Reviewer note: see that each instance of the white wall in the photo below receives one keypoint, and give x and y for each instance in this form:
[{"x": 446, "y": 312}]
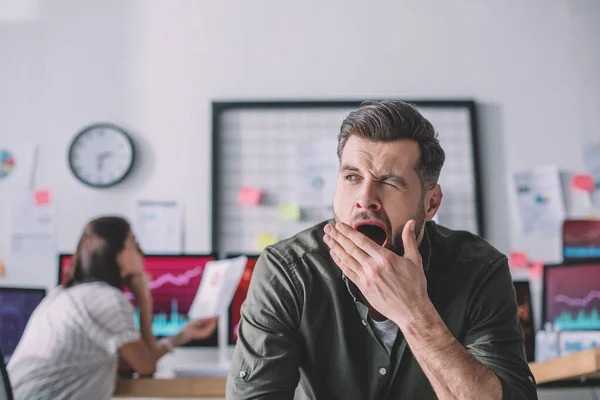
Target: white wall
[{"x": 154, "y": 66}]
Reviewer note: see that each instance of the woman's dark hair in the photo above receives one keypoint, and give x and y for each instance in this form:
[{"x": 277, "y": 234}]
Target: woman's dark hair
[{"x": 96, "y": 257}]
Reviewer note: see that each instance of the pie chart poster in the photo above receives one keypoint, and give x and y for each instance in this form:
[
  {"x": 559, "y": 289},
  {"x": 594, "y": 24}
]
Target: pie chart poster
[{"x": 17, "y": 164}]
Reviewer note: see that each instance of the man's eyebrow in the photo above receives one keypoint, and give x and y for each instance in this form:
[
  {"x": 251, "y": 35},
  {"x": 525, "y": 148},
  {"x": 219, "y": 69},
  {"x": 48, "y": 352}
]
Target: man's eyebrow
[
  {"x": 396, "y": 178},
  {"x": 347, "y": 167}
]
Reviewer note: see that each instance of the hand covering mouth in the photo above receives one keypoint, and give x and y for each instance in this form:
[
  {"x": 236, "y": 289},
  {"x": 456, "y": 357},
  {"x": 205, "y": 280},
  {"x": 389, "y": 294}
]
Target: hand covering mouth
[{"x": 374, "y": 230}]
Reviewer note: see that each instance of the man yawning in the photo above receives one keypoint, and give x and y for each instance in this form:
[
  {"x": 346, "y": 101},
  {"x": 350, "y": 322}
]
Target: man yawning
[{"x": 382, "y": 303}]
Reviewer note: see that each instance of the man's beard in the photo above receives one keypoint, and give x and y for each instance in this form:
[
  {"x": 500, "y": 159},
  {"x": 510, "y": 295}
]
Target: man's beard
[
  {"x": 397, "y": 243},
  {"x": 394, "y": 242}
]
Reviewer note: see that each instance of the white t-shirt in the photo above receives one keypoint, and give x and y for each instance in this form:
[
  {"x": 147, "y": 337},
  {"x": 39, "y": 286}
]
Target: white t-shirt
[{"x": 69, "y": 349}]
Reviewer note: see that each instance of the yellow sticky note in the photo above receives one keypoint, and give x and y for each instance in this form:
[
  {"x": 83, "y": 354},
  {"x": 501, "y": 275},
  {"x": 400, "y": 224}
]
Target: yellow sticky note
[
  {"x": 289, "y": 212},
  {"x": 264, "y": 240},
  {"x": 1, "y": 268}
]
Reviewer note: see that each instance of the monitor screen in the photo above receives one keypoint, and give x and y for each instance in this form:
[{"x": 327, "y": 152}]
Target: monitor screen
[
  {"x": 525, "y": 316},
  {"x": 581, "y": 240},
  {"x": 239, "y": 297},
  {"x": 572, "y": 296},
  {"x": 175, "y": 281},
  {"x": 16, "y": 306}
]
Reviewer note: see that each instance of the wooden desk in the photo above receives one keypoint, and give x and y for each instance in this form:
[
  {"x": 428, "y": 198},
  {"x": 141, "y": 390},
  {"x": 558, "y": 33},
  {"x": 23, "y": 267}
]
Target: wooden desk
[
  {"x": 585, "y": 364},
  {"x": 172, "y": 387}
]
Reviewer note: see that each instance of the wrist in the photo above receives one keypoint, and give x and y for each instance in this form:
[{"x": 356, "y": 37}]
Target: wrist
[
  {"x": 418, "y": 317},
  {"x": 179, "y": 339}
]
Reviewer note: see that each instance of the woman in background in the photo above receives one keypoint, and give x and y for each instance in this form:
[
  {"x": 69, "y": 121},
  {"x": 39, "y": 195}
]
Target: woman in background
[{"x": 73, "y": 341}]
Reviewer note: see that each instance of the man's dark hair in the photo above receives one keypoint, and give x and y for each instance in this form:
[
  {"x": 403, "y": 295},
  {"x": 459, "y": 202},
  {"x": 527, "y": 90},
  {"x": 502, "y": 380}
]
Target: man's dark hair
[
  {"x": 96, "y": 257},
  {"x": 388, "y": 121}
]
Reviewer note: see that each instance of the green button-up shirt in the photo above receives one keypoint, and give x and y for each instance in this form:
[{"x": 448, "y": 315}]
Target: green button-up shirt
[{"x": 304, "y": 331}]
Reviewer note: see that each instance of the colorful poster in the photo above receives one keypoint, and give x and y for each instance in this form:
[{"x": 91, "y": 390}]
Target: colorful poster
[{"x": 17, "y": 164}]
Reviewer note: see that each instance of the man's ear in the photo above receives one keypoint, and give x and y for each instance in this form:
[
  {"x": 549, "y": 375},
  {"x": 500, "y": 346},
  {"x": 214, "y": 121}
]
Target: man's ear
[{"x": 433, "y": 201}]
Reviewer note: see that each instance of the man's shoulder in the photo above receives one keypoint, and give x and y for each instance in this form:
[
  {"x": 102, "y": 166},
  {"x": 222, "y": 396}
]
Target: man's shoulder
[
  {"x": 303, "y": 247},
  {"x": 462, "y": 246},
  {"x": 305, "y": 243}
]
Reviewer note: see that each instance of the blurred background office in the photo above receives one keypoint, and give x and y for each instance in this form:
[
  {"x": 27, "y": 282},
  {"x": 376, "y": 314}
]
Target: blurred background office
[{"x": 153, "y": 69}]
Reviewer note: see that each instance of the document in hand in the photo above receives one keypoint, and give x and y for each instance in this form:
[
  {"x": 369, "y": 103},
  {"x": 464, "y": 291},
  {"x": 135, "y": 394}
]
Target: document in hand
[{"x": 219, "y": 281}]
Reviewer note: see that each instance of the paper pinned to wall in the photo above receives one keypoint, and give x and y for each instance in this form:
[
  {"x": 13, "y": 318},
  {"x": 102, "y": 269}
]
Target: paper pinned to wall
[
  {"x": 17, "y": 165},
  {"x": 317, "y": 167},
  {"x": 591, "y": 160},
  {"x": 220, "y": 280},
  {"x": 540, "y": 201},
  {"x": 32, "y": 226},
  {"x": 158, "y": 226}
]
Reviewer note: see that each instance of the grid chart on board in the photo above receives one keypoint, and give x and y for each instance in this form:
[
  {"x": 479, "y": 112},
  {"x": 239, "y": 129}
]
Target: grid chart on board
[{"x": 256, "y": 146}]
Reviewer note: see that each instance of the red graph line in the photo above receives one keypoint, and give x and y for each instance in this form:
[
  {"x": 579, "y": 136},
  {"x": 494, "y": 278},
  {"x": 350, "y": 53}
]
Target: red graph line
[
  {"x": 177, "y": 280},
  {"x": 574, "y": 302}
]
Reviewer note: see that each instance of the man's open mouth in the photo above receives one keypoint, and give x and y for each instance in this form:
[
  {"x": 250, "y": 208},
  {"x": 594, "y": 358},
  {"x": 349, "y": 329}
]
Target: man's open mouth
[{"x": 373, "y": 230}]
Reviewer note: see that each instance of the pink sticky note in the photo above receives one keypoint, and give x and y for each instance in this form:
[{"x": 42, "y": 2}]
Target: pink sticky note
[
  {"x": 518, "y": 260},
  {"x": 249, "y": 196},
  {"x": 42, "y": 197},
  {"x": 537, "y": 269},
  {"x": 583, "y": 182}
]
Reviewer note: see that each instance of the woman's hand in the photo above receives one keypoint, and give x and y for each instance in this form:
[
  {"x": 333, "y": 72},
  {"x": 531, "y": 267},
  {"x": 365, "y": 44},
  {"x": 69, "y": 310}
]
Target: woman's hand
[{"x": 196, "y": 330}]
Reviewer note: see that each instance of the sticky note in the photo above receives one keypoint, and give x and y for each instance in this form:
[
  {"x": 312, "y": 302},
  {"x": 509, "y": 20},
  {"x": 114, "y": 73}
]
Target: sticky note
[
  {"x": 1, "y": 268},
  {"x": 249, "y": 196},
  {"x": 537, "y": 269},
  {"x": 289, "y": 212},
  {"x": 518, "y": 260},
  {"x": 264, "y": 240},
  {"x": 42, "y": 197},
  {"x": 583, "y": 182}
]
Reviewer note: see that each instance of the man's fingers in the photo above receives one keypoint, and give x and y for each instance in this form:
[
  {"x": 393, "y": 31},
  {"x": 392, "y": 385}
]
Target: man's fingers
[
  {"x": 361, "y": 241},
  {"x": 409, "y": 239},
  {"x": 348, "y": 264},
  {"x": 352, "y": 248}
]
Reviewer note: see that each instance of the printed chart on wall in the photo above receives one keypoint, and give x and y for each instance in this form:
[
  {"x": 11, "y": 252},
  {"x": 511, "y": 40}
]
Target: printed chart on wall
[
  {"x": 276, "y": 168},
  {"x": 540, "y": 201},
  {"x": 17, "y": 164}
]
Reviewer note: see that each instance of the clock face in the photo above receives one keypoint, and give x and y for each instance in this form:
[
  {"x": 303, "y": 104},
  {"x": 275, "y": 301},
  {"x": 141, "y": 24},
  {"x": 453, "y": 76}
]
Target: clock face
[{"x": 101, "y": 155}]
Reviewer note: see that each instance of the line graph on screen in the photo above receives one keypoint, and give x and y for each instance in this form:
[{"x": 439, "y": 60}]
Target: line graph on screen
[{"x": 572, "y": 296}]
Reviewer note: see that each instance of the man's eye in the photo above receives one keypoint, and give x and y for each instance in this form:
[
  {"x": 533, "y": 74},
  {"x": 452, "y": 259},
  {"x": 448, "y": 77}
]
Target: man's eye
[{"x": 351, "y": 178}]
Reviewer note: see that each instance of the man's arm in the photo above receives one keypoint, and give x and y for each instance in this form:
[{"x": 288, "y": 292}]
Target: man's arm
[
  {"x": 266, "y": 360},
  {"x": 451, "y": 370},
  {"x": 493, "y": 363}
]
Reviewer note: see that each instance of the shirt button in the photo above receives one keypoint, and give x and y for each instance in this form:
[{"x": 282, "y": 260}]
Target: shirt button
[
  {"x": 382, "y": 371},
  {"x": 242, "y": 374},
  {"x": 364, "y": 322}
]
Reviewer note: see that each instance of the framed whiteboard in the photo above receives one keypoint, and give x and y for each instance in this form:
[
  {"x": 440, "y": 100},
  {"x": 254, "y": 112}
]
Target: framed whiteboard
[{"x": 256, "y": 144}]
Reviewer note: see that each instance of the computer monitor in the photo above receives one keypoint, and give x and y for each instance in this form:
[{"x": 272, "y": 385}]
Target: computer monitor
[
  {"x": 571, "y": 297},
  {"x": 175, "y": 281},
  {"x": 240, "y": 296},
  {"x": 525, "y": 316},
  {"x": 581, "y": 240},
  {"x": 16, "y": 306}
]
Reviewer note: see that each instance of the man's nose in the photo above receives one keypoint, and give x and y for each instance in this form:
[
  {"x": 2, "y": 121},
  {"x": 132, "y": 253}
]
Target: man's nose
[{"x": 368, "y": 199}]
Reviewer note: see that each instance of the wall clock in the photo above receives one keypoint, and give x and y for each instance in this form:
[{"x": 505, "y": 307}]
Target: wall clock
[{"x": 101, "y": 155}]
